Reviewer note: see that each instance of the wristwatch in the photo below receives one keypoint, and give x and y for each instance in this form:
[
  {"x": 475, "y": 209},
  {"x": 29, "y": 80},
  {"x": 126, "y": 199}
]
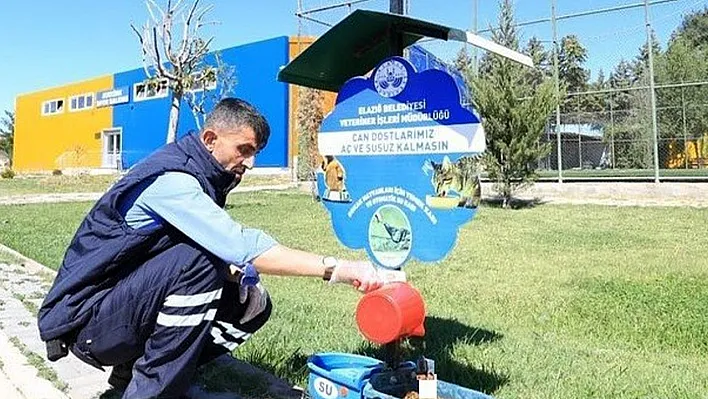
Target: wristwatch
[{"x": 329, "y": 263}]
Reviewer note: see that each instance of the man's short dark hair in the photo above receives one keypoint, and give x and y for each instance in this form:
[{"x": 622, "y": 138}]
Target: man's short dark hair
[{"x": 233, "y": 112}]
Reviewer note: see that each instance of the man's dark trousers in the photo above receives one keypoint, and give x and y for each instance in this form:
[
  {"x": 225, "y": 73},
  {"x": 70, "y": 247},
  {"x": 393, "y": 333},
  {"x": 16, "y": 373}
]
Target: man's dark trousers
[{"x": 173, "y": 313}]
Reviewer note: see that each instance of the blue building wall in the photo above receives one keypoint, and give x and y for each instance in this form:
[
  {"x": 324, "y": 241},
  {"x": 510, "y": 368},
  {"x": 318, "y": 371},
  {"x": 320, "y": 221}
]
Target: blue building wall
[{"x": 144, "y": 123}]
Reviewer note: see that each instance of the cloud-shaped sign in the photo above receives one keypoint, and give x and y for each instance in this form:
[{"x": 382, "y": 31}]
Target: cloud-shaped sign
[{"x": 400, "y": 164}]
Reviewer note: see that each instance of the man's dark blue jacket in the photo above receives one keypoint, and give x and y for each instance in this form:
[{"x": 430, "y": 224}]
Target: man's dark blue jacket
[{"x": 105, "y": 249}]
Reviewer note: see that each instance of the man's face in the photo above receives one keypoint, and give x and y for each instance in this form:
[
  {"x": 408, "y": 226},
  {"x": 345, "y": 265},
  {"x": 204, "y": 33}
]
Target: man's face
[{"x": 235, "y": 149}]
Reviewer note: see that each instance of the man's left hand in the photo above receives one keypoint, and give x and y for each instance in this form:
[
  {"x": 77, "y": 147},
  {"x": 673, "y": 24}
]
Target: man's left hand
[{"x": 257, "y": 298}]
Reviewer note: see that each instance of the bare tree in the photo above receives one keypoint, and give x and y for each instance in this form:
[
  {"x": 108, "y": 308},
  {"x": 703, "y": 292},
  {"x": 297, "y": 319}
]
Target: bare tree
[
  {"x": 204, "y": 92},
  {"x": 175, "y": 56},
  {"x": 309, "y": 118}
]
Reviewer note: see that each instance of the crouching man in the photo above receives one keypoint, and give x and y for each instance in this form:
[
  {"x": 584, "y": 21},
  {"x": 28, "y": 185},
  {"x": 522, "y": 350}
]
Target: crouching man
[{"x": 159, "y": 279}]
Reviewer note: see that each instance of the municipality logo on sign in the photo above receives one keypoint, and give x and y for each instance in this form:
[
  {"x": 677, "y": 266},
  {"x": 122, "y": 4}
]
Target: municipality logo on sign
[
  {"x": 391, "y": 78},
  {"x": 399, "y": 164}
]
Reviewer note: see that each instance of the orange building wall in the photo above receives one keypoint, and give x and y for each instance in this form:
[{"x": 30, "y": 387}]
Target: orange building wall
[
  {"x": 64, "y": 140},
  {"x": 296, "y": 47}
]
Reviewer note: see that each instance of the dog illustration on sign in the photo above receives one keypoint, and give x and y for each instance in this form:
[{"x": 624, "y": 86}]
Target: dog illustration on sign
[{"x": 334, "y": 179}]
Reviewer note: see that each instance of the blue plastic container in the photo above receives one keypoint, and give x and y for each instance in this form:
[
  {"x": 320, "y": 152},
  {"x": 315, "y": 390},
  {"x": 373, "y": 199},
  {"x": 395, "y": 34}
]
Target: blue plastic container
[{"x": 342, "y": 375}]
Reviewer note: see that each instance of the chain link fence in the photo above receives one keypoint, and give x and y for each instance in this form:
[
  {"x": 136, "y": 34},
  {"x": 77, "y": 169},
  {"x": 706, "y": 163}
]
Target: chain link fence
[
  {"x": 619, "y": 141},
  {"x": 608, "y": 126}
]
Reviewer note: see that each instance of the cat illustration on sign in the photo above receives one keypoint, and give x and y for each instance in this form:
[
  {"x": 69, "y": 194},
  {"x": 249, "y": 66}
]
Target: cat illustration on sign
[
  {"x": 460, "y": 177},
  {"x": 334, "y": 179}
]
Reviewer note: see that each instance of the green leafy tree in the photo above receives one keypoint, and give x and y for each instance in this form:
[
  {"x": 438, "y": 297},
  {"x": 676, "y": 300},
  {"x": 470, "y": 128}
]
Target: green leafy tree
[
  {"x": 7, "y": 133},
  {"x": 514, "y": 113},
  {"x": 694, "y": 29},
  {"x": 681, "y": 110},
  {"x": 631, "y": 118}
]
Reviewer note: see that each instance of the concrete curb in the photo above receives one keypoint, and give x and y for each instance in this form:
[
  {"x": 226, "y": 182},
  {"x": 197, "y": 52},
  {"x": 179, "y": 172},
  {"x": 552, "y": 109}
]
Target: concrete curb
[
  {"x": 31, "y": 264},
  {"x": 23, "y": 376}
]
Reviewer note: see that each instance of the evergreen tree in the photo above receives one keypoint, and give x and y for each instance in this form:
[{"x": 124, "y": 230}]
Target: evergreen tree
[
  {"x": 541, "y": 60},
  {"x": 571, "y": 58},
  {"x": 573, "y": 77},
  {"x": 641, "y": 62},
  {"x": 514, "y": 113}
]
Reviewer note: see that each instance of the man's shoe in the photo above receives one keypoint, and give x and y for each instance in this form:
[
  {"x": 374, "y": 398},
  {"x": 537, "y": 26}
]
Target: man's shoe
[{"x": 121, "y": 375}]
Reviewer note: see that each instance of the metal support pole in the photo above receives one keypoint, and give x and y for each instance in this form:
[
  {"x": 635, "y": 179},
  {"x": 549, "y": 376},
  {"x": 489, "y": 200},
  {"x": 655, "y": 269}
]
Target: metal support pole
[
  {"x": 556, "y": 78},
  {"x": 612, "y": 129},
  {"x": 580, "y": 148},
  {"x": 685, "y": 132},
  {"x": 580, "y": 141},
  {"x": 474, "y": 28},
  {"x": 298, "y": 92},
  {"x": 396, "y": 7},
  {"x": 654, "y": 127}
]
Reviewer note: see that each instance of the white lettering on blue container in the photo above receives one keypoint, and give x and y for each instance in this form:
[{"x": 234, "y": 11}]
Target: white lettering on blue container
[{"x": 325, "y": 388}]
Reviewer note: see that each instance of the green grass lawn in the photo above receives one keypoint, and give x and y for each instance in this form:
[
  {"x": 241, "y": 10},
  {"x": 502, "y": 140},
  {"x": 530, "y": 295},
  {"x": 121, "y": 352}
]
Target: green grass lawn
[
  {"x": 546, "y": 302},
  {"x": 97, "y": 183}
]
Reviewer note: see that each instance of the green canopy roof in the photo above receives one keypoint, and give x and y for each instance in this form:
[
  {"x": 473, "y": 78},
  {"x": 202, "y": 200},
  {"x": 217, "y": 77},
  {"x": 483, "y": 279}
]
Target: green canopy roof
[{"x": 356, "y": 45}]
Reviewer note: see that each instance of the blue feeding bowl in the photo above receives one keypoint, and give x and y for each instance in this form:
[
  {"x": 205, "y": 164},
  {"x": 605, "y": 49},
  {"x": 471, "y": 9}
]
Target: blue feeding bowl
[{"x": 342, "y": 375}]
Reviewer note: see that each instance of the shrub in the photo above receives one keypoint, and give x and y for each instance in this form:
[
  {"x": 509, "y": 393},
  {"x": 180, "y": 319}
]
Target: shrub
[{"x": 7, "y": 174}]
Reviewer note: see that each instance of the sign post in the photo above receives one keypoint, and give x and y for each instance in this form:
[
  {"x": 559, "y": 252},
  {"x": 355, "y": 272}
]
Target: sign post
[
  {"x": 399, "y": 172},
  {"x": 400, "y": 163}
]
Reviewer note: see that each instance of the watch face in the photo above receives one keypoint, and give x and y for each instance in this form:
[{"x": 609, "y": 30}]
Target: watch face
[{"x": 330, "y": 261}]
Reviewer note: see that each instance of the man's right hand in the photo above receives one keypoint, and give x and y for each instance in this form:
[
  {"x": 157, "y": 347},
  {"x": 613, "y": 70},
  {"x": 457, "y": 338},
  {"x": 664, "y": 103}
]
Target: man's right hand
[{"x": 361, "y": 274}]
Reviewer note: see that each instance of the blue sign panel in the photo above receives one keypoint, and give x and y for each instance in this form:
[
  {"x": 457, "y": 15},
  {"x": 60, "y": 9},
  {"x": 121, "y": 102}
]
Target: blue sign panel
[
  {"x": 400, "y": 163},
  {"x": 119, "y": 95}
]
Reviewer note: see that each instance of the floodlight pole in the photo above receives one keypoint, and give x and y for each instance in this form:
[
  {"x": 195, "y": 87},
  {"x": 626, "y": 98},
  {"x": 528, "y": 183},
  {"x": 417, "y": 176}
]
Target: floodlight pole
[
  {"x": 396, "y": 7},
  {"x": 396, "y": 48},
  {"x": 654, "y": 128}
]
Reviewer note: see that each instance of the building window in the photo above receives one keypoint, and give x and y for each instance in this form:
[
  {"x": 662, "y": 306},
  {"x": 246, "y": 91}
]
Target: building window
[
  {"x": 208, "y": 84},
  {"x": 148, "y": 90},
  {"x": 51, "y": 107},
  {"x": 82, "y": 101}
]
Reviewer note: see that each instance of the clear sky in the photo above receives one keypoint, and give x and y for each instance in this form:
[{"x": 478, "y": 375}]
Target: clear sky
[{"x": 49, "y": 43}]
